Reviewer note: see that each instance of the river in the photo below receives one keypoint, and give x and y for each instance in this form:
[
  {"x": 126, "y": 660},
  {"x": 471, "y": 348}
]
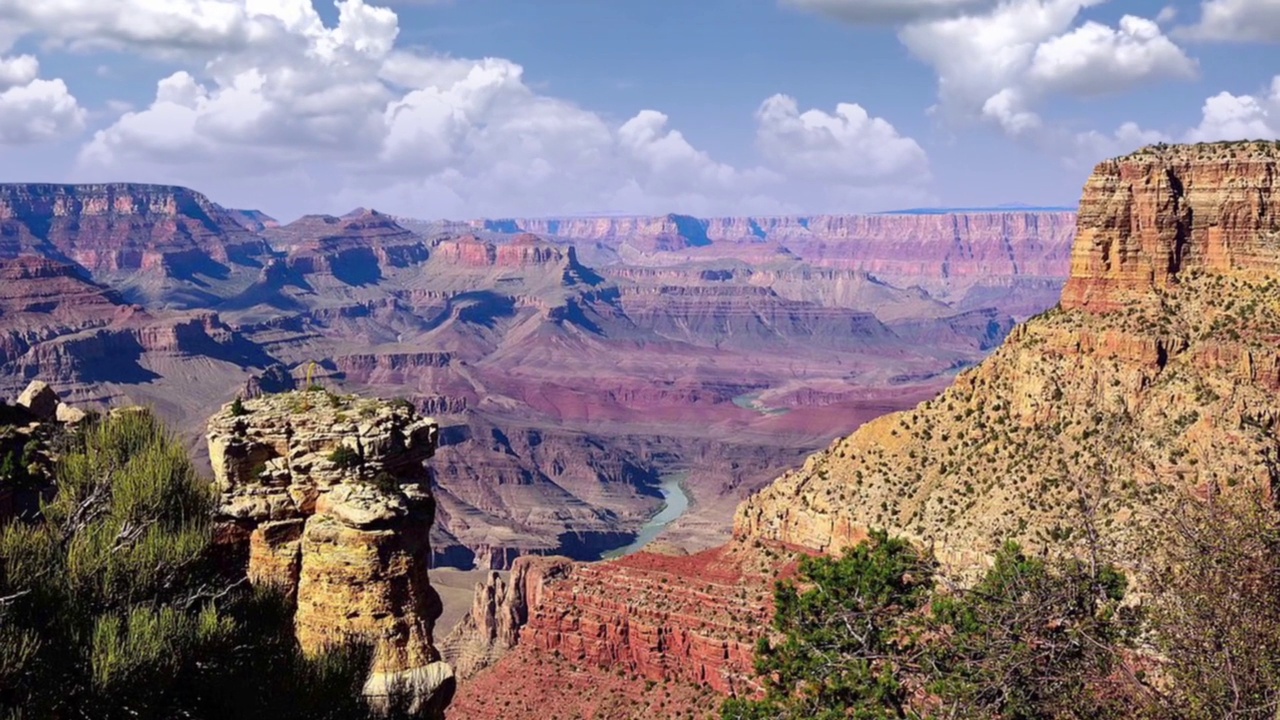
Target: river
[{"x": 675, "y": 503}]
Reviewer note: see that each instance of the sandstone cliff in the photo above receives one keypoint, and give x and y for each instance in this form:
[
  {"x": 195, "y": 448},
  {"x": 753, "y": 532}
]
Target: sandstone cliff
[
  {"x": 641, "y": 637},
  {"x": 326, "y": 497},
  {"x": 122, "y": 226},
  {"x": 1156, "y": 377}
]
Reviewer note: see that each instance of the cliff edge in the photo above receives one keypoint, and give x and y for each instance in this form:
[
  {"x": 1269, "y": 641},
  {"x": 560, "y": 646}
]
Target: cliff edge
[{"x": 327, "y": 498}]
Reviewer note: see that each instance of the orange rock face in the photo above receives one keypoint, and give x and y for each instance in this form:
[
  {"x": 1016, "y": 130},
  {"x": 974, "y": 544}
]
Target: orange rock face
[
  {"x": 1146, "y": 218},
  {"x": 688, "y": 624}
]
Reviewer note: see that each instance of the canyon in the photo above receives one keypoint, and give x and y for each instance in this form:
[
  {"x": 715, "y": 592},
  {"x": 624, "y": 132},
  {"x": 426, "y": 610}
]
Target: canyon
[
  {"x": 571, "y": 364},
  {"x": 1153, "y": 382}
]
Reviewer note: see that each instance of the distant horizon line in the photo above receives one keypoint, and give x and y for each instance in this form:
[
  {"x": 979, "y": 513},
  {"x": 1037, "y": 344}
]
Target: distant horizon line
[{"x": 941, "y": 210}]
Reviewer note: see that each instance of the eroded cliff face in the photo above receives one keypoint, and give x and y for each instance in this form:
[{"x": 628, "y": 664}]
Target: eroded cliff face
[
  {"x": 1160, "y": 213},
  {"x": 597, "y": 640},
  {"x": 122, "y": 226},
  {"x": 1156, "y": 378},
  {"x": 326, "y": 497},
  {"x": 499, "y": 610}
]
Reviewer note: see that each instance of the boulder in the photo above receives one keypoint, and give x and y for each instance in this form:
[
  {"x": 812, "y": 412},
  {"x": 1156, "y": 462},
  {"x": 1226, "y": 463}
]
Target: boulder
[
  {"x": 40, "y": 399},
  {"x": 69, "y": 415}
]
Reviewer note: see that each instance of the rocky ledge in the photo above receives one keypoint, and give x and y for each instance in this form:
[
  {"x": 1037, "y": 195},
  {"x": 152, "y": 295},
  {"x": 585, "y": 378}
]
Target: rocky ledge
[
  {"x": 326, "y": 497},
  {"x": 596, "y": 638}
]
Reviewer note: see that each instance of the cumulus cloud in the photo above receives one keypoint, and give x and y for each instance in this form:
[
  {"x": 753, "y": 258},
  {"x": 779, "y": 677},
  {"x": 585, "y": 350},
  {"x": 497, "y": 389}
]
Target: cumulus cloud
[
  {"x": 982, "y": 59},
  {"x": 848, "y": 147},
  {"x": 18, "y": 70},
  {"x": 1095, "y": 59},
  {"x": 34, "y": 110},
  {"x": 998, "y": 62},
  {"x": 1092, "y": 147},
  {"x": 141, "y": 24},
  {"x": 1223, "y": 117},
  {"x": 38, "y": 111},
  {"x": 271, "y": 91},
  {"x": 1240, "y": 117},
  {"x": 1236, "y": 21}
]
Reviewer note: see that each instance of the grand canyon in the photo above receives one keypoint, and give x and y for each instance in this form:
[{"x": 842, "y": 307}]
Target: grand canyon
[
  {"x": 575, "y": 365},
  {"x": 639, "y": 429}
]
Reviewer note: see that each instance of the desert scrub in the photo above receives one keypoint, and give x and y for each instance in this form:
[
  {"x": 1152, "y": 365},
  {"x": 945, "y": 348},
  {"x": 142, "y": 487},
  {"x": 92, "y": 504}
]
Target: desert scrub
[
  {"x": 112, "y": 605},
  {"x": 345, "y": 458}
]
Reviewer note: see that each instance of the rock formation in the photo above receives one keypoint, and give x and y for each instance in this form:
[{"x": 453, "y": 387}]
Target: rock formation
[
  {"x": 1156, "y": 380},
  {"x": 687, "y": 623},
  {"x": 327, "y": 498},
  {"x": 122, "y": 227},
  {"x": 498, "y": 612},
  {"x": 1157, "y": 377},
  {"x": 1166, "y": 212}
]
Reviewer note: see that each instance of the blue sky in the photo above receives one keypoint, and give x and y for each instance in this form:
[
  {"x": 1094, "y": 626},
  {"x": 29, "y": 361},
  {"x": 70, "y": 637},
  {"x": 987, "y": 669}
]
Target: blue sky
[{"x": 470, "y": 108}]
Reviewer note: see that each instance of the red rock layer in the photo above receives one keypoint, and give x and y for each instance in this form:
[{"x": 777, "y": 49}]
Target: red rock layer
[
  {"x": 681, "y": 622},
  {"x": 523, "y": 251},
  {"x": 1148, "y": 217}
]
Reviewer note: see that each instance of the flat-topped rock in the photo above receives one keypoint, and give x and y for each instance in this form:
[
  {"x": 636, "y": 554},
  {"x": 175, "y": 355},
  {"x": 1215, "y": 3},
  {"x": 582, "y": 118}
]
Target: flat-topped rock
[{"x": 325, "y": 496}]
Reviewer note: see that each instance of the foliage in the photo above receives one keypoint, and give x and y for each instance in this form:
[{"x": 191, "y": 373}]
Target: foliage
[
  {"x": 237, "y": 408},
  {"x": 345, "y": 458},
  {"x": 1033, "y": 639},
  {"x": 386, "y": 482},
  {"x": 869, "y": 636},
  {"x": 112, "y": 606},
  {"x": 1215, "y": 618},
  {"x": 841, "y": 636}
]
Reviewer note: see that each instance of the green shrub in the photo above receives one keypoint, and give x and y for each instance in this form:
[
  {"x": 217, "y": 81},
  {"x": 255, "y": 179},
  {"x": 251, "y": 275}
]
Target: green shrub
[
  {"x": 112, "y": 606},
  {"x": 345, "y": 458}
]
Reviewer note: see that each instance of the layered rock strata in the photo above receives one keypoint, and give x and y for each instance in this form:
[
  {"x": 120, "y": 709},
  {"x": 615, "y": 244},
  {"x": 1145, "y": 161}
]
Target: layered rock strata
[
  {"x": 1157, "y": 378},
  {"x": 689, "y": 623},
  {"x": 499, "y": 610},
  {"x": 327, "y": 498}
]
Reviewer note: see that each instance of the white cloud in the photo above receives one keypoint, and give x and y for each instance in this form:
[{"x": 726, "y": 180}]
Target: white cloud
[
  {"x": 1223, "y": 117},
  {"x": 888, "y": 11},
  {"x": 1095, "y": 59},
  {"x": 38, "y": 111},
  {"x": 149, "y": 24},
  {"x": 982, "y": 60},
  {"x": 1092, "y": 147},
  {"x": 849, "y": 147},
  {"x": 1236, "y": 21},
  {"x": 998, "y": 61},
  {"x": 18, "y": 70},
  {"x": 285, "y": 94},
  {"x": 1240, "y": 117}
]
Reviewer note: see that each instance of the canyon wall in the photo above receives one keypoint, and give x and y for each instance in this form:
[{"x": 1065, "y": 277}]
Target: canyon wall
[
  {"x": 1165, "y": 345},
  {"x": 1155, "y": 381},
  {"x": 961, "y": 247}
]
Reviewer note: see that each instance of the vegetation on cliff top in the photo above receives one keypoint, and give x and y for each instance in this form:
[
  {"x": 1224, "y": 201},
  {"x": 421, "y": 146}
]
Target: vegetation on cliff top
[
  {"x": 876, "y": 634},
  {"x": 113, "y": 603}
]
